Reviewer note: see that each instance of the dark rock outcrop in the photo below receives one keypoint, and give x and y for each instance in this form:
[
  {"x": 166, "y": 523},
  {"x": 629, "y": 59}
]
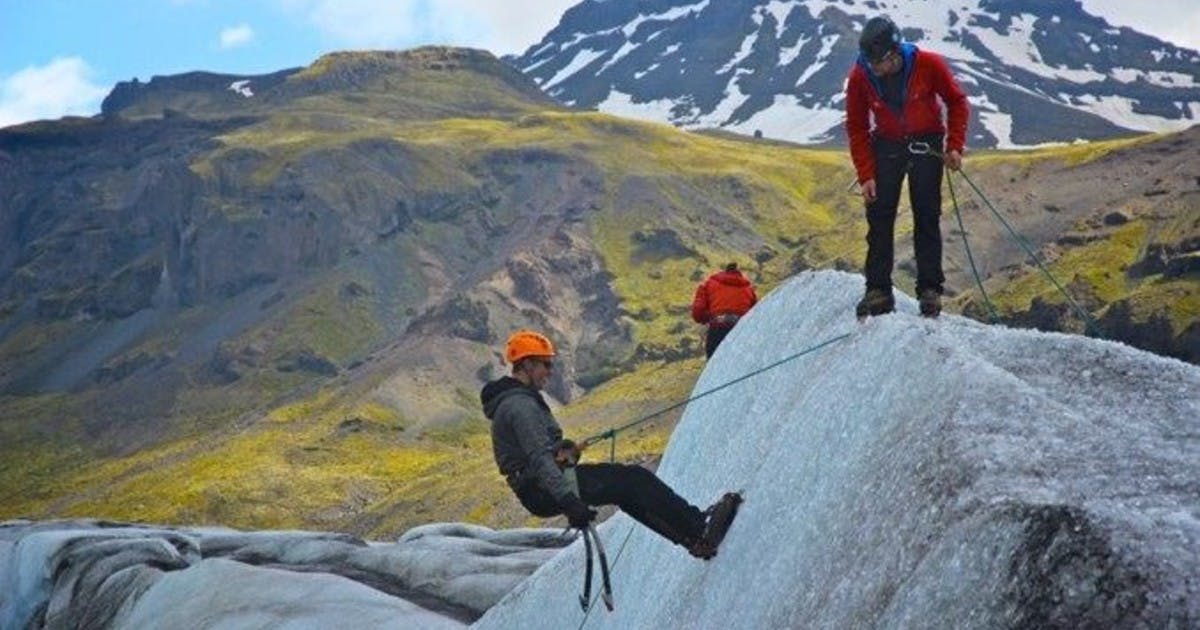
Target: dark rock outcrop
[
  {"x": 457, "y": 317},
  {"x": 777, "y": 70}
]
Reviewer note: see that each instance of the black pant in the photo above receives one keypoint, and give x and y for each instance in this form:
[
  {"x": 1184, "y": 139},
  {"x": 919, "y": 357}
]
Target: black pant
[
  {"x": 892, "y": 161},
  {"x": 713, "y": 338},
  {"x": 637, "y": 491}
]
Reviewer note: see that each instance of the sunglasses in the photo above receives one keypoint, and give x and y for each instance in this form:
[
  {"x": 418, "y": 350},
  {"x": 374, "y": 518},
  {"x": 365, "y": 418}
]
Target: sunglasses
[{"x": 546, "y": 363}]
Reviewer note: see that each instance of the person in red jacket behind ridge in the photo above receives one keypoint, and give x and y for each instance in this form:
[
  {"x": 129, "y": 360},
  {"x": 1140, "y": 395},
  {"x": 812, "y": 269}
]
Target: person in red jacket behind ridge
[
  {"x": 894, "y": 125},
  {"x": 720, "y": 301}
]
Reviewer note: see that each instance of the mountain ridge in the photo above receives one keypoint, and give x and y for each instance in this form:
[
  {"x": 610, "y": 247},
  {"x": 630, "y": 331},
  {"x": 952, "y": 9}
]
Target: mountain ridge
[
  {"x": 212, "y": 94},
  {"x": 1035, "y": 72},
  {"x": 280, "y": 317}
]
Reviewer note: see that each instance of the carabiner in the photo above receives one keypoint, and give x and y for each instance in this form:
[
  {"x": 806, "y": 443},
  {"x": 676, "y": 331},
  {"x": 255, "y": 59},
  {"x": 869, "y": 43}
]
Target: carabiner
[{"x": 919, "y": 148}]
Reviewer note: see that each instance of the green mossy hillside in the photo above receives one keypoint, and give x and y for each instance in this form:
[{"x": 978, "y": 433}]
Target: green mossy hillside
[{"x": 338, "y": 395}]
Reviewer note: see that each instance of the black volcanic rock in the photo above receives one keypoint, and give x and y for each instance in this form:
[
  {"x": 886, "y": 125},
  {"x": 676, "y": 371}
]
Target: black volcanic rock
[{"x": 190, "y": 93}]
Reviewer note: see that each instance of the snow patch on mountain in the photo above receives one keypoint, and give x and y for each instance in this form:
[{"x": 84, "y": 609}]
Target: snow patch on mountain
[
  {"x": 788, "y": 116},
  {"x": 242, "y": 87},
  {"x": 1123, "y": 111},
  {"x": 1163, "y": 79},
  {"x": 1054, "y": 73},
  {"x": 582, "y": 59},
  {"x": 622, "y": 104}
]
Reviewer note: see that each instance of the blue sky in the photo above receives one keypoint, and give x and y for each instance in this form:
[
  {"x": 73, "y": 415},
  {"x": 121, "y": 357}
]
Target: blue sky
[{"x": 60, "y": 57}]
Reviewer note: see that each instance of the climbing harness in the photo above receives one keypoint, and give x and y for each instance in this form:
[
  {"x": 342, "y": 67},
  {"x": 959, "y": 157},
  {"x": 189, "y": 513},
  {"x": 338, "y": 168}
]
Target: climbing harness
[{"x": 917, "y": 147}]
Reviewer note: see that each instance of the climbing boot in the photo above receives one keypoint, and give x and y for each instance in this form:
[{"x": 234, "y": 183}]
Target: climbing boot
[
  {"x": 875, "y": 302},
  {"x": 717, "y": 519},
  {"x": 930, "y": 301}
]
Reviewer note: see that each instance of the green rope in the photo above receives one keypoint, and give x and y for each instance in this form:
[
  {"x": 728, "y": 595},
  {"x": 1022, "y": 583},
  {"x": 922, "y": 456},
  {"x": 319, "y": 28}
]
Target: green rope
[
  {"x": 1089, "y": 323},
  {"x": 962, "y": 230},
  {"x": 611, "y": 434}
]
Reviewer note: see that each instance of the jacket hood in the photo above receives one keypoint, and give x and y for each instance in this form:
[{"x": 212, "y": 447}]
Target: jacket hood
[
  {"x": 732, "y": 278},
  {"x": 496, "y": 391}
]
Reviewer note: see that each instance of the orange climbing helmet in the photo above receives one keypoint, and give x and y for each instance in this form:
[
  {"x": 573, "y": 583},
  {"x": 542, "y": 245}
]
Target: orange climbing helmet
[{"x": 527, "y": 343}]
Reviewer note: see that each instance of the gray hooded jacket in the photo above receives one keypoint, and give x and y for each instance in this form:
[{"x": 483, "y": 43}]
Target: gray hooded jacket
[{"x": 524, "y": 436}]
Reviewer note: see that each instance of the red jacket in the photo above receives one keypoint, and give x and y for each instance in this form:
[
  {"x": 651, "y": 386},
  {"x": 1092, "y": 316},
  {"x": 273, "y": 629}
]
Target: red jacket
[
  {"x": 724, "y": 292},
  {"x": 928, "y": 78}
]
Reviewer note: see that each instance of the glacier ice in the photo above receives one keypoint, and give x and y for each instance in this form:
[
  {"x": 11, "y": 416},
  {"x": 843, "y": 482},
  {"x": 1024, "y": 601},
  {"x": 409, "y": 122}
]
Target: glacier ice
[{"x": 921, "y": 473}]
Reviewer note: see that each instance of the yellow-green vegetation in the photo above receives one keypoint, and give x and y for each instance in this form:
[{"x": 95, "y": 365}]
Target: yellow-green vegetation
[
  {"x": 1075, "y": 154},
  {"x": 780, "y": 192},
  {"x": 1178, "y": 299},
  {"x": 1100, "y": 264},
  {"x": 783, "y": 192},
  {"x": 422, "y": 82},
  {"x": 1098, "y": 271},
  {"x": 31, "y": 338},
  {"x": 274, "y": 449},
  {"x": 32, "y": 456},
  {"x": 1084, "y": 152},
  {"x": 307, "y": 464},
  {"x": 332, "y": 461},
  {"x": 329, "y": 322}
]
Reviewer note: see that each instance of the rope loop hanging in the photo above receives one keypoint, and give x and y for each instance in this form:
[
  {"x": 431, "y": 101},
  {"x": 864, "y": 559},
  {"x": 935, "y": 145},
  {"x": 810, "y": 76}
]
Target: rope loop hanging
[{"x": 1090, "y": 326}]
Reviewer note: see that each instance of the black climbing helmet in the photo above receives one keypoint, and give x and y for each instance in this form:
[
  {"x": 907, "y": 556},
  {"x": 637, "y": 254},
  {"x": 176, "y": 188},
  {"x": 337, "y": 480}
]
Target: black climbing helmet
[{"x": 879, "y": 36}]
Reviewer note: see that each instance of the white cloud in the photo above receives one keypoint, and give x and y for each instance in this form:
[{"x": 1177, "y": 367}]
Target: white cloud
[
  {"x": 60, "y": 88},
  {"x": 235, "y": 36},
  {"x": 515, "y": 25},
  {"x": 1177, "y": 21},
  {"x": 497, "y": 25},
  {"x": 375, "y": 24}
]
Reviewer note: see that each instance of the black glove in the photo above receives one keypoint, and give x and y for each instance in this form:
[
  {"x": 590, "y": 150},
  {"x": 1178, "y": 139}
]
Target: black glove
[{"x": 578, "y": 513}]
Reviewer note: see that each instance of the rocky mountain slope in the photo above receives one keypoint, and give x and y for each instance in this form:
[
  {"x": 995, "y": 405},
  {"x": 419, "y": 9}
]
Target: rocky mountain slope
[
  {"x": 905, "y": 473},
  {"x": 275, "y": 309},
  {"x": 1035, "y": 71}
]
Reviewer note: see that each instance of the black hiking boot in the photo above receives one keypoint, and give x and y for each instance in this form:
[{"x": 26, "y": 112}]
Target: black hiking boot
[
  {"x": 718, "y": 517},
  {"x": 875, "y": 302},
  {"x": 930, "y": 301}
]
